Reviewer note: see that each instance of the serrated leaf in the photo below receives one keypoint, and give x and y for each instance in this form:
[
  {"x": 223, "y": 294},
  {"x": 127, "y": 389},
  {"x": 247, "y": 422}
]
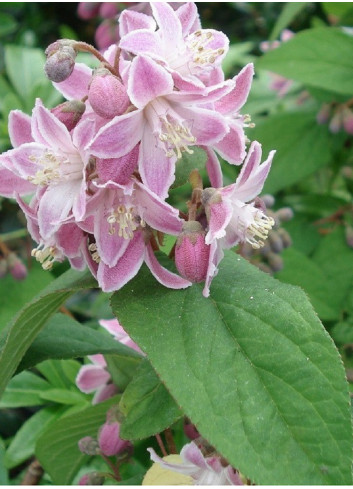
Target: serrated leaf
[
  {"x": 302, "y": 147},
  {"x": 253, "y": 368},
  {"x": 24, "y": 328},
  {"x": 24, "y": 390},
  {"x": 63, "y": 337},
  {"x": 22, "y": 446},
  {"x": 57, "y": 448},
  {"x": 147, "y": 405},
  {"x": 311, "y": 57}
]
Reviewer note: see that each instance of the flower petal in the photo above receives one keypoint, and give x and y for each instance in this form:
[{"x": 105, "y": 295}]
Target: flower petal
[
  {"x": 129, "y": 20},
  {"x": 49, "y": 131},
  {"x": 213, "y": 168},
  {"x": 219, "y": 214},
  {"x": 188, "y": 17},
  {"x": 232, "y": 146},
  {"x": 104, "y": 393},
  {"x": 19, "y": 128},
  {"x": 234, "y": 100},
  {"x": 113, "y": 278},
  {"x": 170, "y": 30},
  {"x": 76, "y": 85},
  {"x": 118, "y": 170},
  {"x": 216, "y": 255},
  {"x": 10, "y": 184},
  {"x": 119, "y": 136},
  {"x": 147, "y": 80},
  {"x": 164, "y": 276},
  {"x": 144, "y": 42},
  {"x": 207, "y": 126},
  {"x": 91, "y": 377}
]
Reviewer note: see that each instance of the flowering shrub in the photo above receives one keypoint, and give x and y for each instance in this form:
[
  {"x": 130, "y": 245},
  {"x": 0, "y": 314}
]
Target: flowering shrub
[{"x": 145, "y": 183}]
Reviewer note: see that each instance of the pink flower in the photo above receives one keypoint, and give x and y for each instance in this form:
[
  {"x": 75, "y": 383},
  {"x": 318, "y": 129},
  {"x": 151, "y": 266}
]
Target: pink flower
[
  {"x": 231, "y": 213},
  {"x": 55, "y": 165},
  {"x": 185, "y": 51},
  {"x": 205, "y": 471},
  {"x": 94, "y": 377}
]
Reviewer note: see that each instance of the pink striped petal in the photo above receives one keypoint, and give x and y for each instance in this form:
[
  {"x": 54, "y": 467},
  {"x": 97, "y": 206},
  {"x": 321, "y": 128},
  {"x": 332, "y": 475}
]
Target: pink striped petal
[
  {"x": 104, "y": 393},
  {"x": 130, "y": 20},
  {"x": 144, "y": 42},
  {"x": 19, "y": 128},
  {"x": 164, "y": 276},
  {"x": 188, "y": 16},
  {"x": 129, "y": 129},
  {"x": 49, "y": 131},
  {"x": 216, "y": 256},
  {"x": 91, "y": 377},
  {"x": 213, "y": 168},
  {"x": 76, "y": 85},
  {"x": 169, "y": 25},
  {"x": 118, "y": 170},
  {"x": 234, "y": 100},
  {"x": 232, "y": 146},
  {"x": 21, "y": 160},
  {"x": 147, "y": 81},
  {"x": 113, "y": 278},
  {"x": 208, "y": 127},
  {"x": 219, "y": 215},
  {"x": 10, "y": 184}
]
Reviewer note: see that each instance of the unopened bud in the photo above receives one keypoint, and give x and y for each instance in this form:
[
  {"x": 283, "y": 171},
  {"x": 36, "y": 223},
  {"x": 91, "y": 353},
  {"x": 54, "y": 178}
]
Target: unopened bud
[
  {"x": 108, "y": 10},
  {"x": 109, "y": 439},
  {"x": 88, "y": 445},
  {"x": 323, "y": 116},
  {"x": 285, "y": 237},
  {"x": 92, "y": 479},
  {"x": 88, "y": 10},
  {"x": 107, "y": 95},
  {"x": 191, "y": 431},
  {"x": 192, "y": 253},
  {"x": 17, "y": 269},
  {"x": 349, "y": 236},
  {"x": 336, "y": 122},
  {"x": 264, "y": 268},
  {"x": 284, "y": 214},
  {"x": 69, "y": 113},
  {"x": 275, "y": 242},
  {"x": 275, "y": 262},
  {"x": 3, "y": 267},
  {"x": 348, "y": 121},
  {"x": 106, "y": 34},
  {"x": 60, "y": 62},
  {"x": 268, "y": 200}
]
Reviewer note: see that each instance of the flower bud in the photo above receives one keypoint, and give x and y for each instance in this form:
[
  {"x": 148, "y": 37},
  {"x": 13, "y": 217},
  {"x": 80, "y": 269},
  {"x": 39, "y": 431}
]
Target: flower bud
[
  {"x": 60, "y": 62},
  {"x": 17, "y": 269},
  {"x": 3, "y": 267},
  {"x": 349, "y": 236},
  {"x": 92, "y": 479},
  {"x": 109, "y": 440},
  {"x": 108, "y": 10},
  {"x": 268, "y": 200},
  {"x": 107, "y": 95},
  {"x": 192, "y": 253},
  {"x": 284, "y": 214},
  {"x": 264, "y": 268},
  {"x": 106, "y": 34},
  {"x": 88, "y": 445},
  {"x": 285, "y": 237},
  {"x": 69, "y": 113},
  {"x": 88, "y": 10},
  {"x": 348, "y": 121},
  {"x": 336, "y": 122},
  {"x": 323, "y": 116},
  {"x": 275, "y": 242},
  {"x": 191, "y": 431},
  {"x": 275, "y": 261}
]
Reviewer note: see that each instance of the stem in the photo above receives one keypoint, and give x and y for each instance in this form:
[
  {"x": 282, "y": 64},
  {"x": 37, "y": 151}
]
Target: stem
[
  {"x": 33, "y": 474},
  {"x": 161, "y": 445},
  {"x": 114, "y": 468},
  {"x": 4, "y": 249},
  {"x": 170, "y": 440},
  {"x": 87, "y": 48},
  {"x": 19, "y": 233},
  {"x": 334, "y": 217}
]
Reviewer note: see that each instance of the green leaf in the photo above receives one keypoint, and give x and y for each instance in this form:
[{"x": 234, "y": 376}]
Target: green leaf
[
  {"x": 187, "y": 163},
  {"x": 8, "y": 24},
  {"x": 24, "y": 390},
  {"x": 22, "y": 446},
  {"x": 57, "y": 448},
  {"x": 63, "y": 337},
  {"x": 302, "y": 147},
  {"x": 121, "y": 369},
  {"x": 337, "y": 9},
  {"x": 253, "y": 368},
  {"x": 53, "y": 371},
  {"x": 147, "y": 405},
  {"x": 24, "y": 328},
  {"x": 14, "y": 294},
  {"x": 4, "y": 479},
  {"x": 311, "y": 57},
  {"x": 288, "y": 14},
  {"x": 63, "y": 396}
]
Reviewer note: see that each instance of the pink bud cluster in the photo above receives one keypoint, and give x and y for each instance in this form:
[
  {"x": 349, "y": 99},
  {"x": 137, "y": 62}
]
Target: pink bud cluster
[
  {"x": 100, "y": 166},
  {"x": 338, "y": 117}
]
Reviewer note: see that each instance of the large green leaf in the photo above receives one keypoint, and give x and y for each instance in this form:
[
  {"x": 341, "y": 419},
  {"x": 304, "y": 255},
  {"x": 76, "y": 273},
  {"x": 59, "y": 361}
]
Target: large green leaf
[
  {"x": 22, "y": 445},
  {"x": 63, "y": 337},
  {"x": 147, "y": 405},
  {"x": 24, "y": 390},
  {"x": 253, "y": 368},
  {"x": 57, "y": 448},
  {"x": 302, "y": 147},
  {"x": 320, "y": 57},
  {"x": 23, "y": 329}
]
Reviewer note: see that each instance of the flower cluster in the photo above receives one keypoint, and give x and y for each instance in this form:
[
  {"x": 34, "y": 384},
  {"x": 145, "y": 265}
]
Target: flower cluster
[{"x": 100, "y": 166}]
